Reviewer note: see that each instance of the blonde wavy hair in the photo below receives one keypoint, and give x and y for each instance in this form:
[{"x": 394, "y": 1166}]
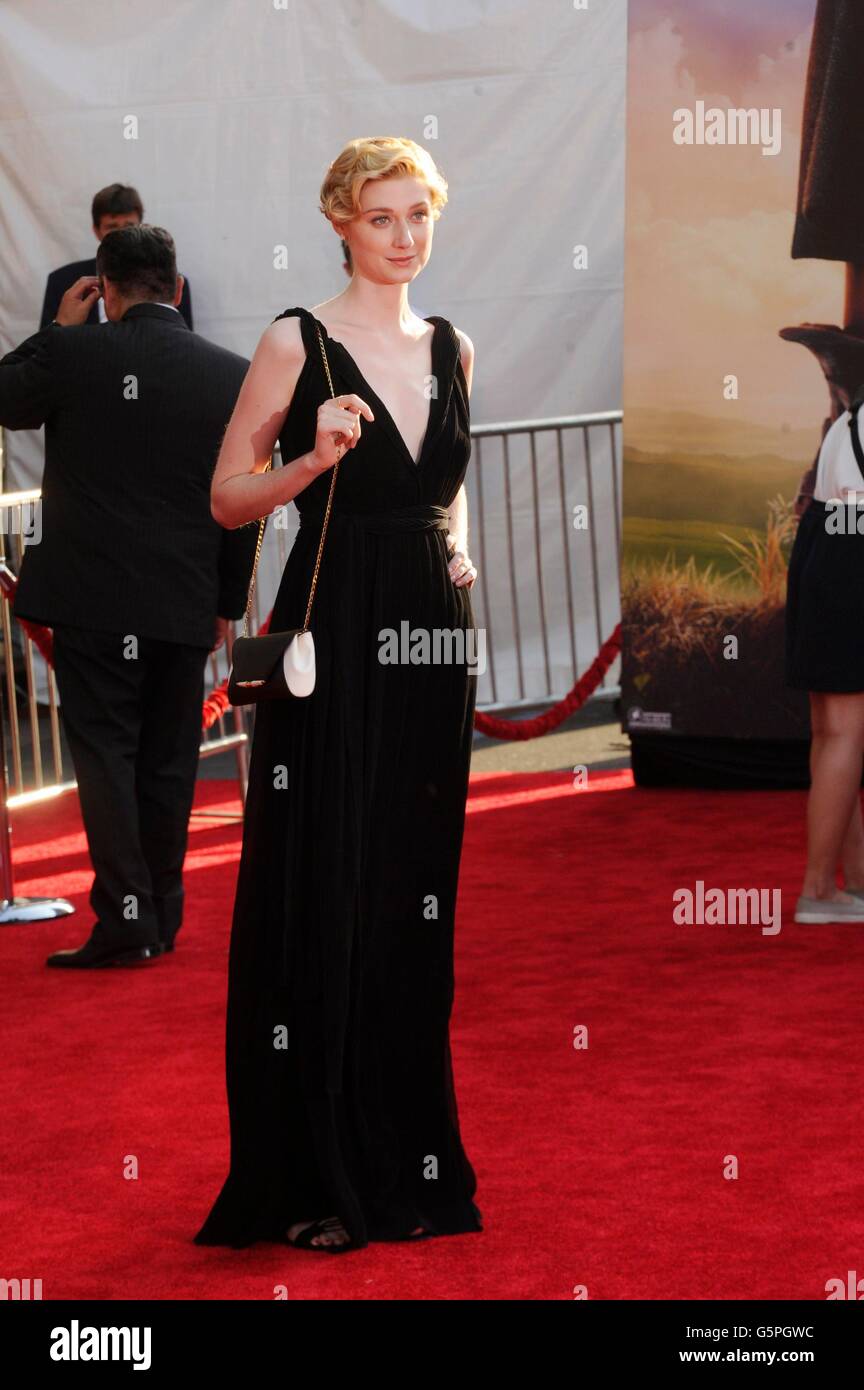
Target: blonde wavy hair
[{"x": 377, "y": 157}]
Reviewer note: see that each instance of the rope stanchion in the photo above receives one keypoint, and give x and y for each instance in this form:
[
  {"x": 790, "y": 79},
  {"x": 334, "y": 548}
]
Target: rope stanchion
[
  {"x": 216, "y": 702},
  {"x": 516, "y": 730}
]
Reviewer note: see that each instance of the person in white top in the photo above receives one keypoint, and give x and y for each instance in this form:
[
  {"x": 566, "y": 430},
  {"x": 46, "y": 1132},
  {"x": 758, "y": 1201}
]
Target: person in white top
[
  {"x": 838, "y": 474},
  {"x": 825, "y": 657}
]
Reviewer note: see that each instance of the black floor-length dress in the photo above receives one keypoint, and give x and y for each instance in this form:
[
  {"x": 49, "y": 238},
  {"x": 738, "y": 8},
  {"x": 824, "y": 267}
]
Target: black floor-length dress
[{"x": 339, "y": 1075}]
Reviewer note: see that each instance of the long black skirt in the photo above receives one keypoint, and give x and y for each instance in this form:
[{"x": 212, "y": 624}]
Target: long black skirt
[{"x": 340, "y": 1081}]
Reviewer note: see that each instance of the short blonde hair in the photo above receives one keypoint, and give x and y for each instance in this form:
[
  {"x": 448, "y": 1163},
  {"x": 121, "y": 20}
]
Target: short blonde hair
[{"x": 377, "y": 157}]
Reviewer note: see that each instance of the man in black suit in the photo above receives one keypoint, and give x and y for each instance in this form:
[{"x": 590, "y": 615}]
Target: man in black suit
[
  {"x": 113, "y": 207},
  {"x": 134, "y": 575}
]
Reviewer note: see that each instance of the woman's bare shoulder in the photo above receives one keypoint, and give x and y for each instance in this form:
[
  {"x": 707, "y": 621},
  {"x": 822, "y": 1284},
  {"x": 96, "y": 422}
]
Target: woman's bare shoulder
[
  {"x": 284, "y": 338},
  {"x": 466, "y": 352},
  {"x": 467, "y": 345}
]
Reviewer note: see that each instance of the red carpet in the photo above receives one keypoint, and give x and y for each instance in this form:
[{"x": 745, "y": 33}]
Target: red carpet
[{"x": 601, "y": 1167}]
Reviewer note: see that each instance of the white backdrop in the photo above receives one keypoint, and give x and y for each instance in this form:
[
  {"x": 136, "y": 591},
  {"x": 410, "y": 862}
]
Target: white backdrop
[{"x": 241, "y": 105}]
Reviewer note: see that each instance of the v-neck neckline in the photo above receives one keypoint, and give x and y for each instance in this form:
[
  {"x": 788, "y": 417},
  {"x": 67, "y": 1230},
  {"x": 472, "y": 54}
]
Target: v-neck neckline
[{"x": 386, "y": 418}]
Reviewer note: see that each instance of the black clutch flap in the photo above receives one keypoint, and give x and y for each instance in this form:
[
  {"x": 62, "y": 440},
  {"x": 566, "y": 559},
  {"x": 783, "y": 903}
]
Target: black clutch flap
[{"x": 257, "y": 671}]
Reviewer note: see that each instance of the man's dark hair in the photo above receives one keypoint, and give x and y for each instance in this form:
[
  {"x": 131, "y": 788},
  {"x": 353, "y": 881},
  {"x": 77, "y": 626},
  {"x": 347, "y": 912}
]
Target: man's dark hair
[
  {"x": 140, "y": 260},
  {"x": 116, "y": 199}
]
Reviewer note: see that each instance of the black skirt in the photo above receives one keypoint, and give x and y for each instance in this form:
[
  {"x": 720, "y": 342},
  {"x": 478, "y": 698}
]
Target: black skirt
[{"x": 825, "y": 601}]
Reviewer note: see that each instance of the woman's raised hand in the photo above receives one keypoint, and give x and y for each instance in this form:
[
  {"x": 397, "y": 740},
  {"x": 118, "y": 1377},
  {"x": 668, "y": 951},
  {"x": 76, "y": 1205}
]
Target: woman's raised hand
[
  {"x": 338, "y": 429},
  {"x": 459, "y": 566}
]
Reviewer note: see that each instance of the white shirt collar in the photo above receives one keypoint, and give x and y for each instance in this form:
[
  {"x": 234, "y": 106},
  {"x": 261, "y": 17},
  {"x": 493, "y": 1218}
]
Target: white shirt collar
[{"x": 103, "y": 317}]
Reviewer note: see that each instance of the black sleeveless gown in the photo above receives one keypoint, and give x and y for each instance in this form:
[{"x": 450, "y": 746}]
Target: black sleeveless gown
[{"x": 339, "y": 1075}]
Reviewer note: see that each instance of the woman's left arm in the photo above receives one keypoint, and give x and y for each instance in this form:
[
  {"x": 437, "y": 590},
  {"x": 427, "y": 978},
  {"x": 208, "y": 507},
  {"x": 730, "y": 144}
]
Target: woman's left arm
[{"x": 461, "y": 570}]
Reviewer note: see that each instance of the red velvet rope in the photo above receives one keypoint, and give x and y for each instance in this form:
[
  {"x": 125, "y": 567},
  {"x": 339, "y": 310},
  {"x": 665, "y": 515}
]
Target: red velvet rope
[
  {"x": 515, "y": 730},
  {"x": 216, "y": 703},
  {"x": 551, "y": 718},
  {"x": 41, "y": 637}
]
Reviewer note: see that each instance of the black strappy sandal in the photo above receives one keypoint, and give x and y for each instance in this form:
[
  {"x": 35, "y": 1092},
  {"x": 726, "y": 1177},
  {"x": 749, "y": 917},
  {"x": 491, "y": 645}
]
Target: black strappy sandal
[{"x": 303, "y": 1241}]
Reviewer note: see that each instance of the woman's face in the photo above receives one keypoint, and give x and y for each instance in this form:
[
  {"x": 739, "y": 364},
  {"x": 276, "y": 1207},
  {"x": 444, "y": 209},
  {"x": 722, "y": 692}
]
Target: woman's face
[{"x": 391, "y": 236}]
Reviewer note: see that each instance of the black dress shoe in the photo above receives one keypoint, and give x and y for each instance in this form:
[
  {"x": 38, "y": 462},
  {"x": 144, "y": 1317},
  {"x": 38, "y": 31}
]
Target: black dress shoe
[{"x": 94, "y": 957}]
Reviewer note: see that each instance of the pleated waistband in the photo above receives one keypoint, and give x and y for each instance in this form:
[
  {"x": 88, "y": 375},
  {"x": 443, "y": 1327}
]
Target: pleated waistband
[{"x": 396, "y": 522}]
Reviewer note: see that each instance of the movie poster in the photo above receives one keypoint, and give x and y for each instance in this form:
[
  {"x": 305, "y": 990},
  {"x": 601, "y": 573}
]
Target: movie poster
[{"x": 744, "y": 340}]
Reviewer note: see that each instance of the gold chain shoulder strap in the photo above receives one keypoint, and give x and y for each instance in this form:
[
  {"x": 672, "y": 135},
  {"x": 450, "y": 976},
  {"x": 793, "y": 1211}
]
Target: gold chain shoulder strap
[{"x": 263, "y": 522}]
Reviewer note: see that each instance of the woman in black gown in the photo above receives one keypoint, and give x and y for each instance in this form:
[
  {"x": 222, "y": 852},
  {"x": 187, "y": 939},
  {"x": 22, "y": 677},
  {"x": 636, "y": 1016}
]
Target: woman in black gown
[{"x": 343, "y": 1117}]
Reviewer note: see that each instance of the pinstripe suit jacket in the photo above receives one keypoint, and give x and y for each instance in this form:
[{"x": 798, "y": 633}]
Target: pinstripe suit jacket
[{"x": 134, "y": 415}]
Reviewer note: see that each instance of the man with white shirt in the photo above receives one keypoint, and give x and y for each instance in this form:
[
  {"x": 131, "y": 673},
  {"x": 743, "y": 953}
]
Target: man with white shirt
[{"x": 118, "y": 205}]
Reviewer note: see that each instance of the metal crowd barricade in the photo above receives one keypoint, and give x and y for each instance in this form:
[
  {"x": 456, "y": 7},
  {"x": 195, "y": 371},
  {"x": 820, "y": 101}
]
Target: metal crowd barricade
[
  {"x": 548, "y": 592},
  {"x": 31, "y": 781},
  {"x": 38, "y": 766},
  {"x": 546, "y": 598},
  {"x": 35, "y": 772}
]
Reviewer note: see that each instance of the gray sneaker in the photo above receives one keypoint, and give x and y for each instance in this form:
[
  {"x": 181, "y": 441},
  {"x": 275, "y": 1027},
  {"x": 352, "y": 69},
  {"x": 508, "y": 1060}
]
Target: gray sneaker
[{"x": 817, "y": 910}]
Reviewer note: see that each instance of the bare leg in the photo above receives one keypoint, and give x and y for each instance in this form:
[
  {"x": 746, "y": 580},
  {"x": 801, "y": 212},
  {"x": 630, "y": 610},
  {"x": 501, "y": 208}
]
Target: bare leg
[
  {"x": 836, "y": 755},
  {"x": 852, "y": 848}
]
